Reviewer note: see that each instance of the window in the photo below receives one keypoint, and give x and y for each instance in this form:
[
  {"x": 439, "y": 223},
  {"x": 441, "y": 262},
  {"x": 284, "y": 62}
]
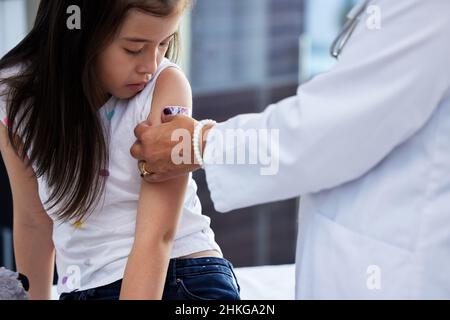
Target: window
[
  {"x": 13, "y": 23},
  {"x": 239, "y": 44},
  {"x": 323, "y": 20}
]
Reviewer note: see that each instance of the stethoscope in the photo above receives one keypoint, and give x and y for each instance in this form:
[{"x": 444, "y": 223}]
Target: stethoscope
[{"x": 353, "y": 19}]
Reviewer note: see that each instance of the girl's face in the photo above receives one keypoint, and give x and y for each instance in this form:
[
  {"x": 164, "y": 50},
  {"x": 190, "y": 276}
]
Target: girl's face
[{"x": 126, "y": 64}]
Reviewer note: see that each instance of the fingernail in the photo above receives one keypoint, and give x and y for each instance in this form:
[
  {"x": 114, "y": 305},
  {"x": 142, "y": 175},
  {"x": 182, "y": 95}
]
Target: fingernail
[
  {"x": 173, "y": 110},
  {"x": 168, "y": 111}
]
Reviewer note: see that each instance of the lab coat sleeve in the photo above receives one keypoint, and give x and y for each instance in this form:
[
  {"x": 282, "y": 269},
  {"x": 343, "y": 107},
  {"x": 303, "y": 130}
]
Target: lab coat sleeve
[{"x": 383, "y": 90}]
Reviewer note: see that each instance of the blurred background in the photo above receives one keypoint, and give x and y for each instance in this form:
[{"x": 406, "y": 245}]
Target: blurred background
[{"x": 240, "y": 56}]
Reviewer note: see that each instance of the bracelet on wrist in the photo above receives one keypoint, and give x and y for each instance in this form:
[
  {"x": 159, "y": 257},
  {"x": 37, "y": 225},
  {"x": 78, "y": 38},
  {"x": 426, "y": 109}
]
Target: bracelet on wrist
[{"x": 197, "y": 141}]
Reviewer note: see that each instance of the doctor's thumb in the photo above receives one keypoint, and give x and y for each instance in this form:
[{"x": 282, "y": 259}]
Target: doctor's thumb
[{"x": 170, "y": 112}]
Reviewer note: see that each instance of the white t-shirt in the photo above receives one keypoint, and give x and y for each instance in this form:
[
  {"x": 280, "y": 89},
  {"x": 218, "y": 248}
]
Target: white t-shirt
[{"x": 95, "y": 252}]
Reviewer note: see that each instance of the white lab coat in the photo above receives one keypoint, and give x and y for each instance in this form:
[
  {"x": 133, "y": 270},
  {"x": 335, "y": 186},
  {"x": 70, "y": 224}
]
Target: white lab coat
[{"x": 367, "y": 147}]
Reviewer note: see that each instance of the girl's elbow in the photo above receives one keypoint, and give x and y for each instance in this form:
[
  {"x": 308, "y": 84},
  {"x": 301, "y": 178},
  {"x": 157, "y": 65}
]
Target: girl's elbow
[
  {"x": 169, "y": 236},
  {"x": 156, "y": 240}
]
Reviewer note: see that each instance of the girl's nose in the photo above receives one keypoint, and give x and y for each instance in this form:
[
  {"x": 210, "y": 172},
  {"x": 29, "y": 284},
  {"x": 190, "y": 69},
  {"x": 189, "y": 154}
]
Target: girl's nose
[{"x": 148, "y": 66}]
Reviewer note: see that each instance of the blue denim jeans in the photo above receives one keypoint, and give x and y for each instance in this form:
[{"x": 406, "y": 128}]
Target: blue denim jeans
[{"x": 187, "y": 279}]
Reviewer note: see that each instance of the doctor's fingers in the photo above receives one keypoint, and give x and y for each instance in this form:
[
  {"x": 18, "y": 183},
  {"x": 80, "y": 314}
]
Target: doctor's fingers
[
  {"x": 137, "y": 151},
  {"x": 141, "y": 129},
  {"x": 142, "y": 151}
]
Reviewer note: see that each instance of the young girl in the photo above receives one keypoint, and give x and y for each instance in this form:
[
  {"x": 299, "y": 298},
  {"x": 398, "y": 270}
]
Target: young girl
[{"x": 71, "y": 100}]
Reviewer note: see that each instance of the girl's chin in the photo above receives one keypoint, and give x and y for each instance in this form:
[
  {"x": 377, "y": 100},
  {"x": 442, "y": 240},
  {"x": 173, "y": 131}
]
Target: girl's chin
[
  {"x": 128, "y": 92},
  {"x": 123, "y": 95}
]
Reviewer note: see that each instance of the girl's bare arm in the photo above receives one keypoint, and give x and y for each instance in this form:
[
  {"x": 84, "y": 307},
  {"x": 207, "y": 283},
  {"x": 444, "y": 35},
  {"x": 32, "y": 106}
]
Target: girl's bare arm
[
  {"x": 160, "y": 207},
  {"x": 33, "y": 228}
]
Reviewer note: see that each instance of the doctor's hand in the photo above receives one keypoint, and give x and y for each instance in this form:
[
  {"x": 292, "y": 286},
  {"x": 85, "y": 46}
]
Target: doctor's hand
[{"x": 161, "y": 152}]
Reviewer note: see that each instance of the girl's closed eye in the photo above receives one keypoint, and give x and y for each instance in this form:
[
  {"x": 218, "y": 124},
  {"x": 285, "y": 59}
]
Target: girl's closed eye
[
  {"x": 133, "y": 52},
  {"x": 163, "y": 45}
]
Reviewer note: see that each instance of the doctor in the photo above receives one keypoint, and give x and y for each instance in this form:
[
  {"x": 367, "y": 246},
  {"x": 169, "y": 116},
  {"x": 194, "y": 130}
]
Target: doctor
[{"x": 366, "y": 146}]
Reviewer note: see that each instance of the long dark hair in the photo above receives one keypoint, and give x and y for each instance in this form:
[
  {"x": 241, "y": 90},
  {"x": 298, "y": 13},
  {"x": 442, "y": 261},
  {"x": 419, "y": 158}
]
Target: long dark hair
[{"x": 52, "y": 103}]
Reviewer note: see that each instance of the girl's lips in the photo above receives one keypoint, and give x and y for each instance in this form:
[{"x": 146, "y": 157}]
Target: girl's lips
[{"x": 136, "y": 87}]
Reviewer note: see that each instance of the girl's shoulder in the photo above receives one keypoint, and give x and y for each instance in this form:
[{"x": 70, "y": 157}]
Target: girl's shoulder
[
  {"x": 142, "y": 102},
  {"x": 166, "y": 63},
  {"x": 11, "y": 71},
  {"x": 7, "y": 73}
]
